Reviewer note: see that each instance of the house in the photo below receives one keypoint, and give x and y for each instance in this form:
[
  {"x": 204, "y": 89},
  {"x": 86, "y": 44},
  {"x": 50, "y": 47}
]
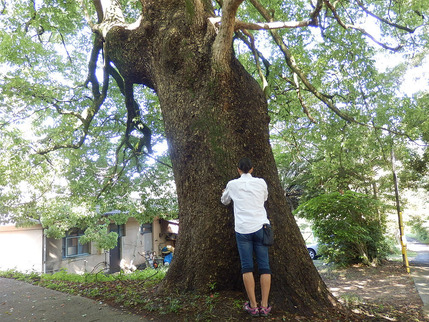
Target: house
[{"x": 27, "y": 249}]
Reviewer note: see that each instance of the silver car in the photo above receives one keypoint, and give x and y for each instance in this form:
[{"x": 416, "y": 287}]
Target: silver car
[{"x": 313, "y": 250}]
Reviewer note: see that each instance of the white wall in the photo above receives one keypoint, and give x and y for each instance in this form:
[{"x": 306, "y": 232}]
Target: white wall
[
  {"x": 134, "y": 243},
  {"x": 21, "y": 248}
]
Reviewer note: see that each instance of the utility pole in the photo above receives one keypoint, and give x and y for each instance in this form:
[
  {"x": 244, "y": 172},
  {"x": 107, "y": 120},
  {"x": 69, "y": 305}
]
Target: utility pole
[{"x": 398, "y": 209}]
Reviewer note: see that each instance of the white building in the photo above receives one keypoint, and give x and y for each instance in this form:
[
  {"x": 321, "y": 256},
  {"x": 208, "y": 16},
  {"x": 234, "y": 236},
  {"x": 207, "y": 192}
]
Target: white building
[{"x": 28, "y": 249}]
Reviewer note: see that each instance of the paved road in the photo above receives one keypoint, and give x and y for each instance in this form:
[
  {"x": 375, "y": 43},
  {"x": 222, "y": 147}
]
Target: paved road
[
  {"x": 419, "y": 267},
  {"x": 21, "y": 301}
]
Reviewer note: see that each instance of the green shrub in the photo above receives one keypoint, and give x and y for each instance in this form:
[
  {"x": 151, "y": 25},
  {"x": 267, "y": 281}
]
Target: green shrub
[
  {"x": 418, "y": 229},
  {"x": 25, "y": 277},
  {"x": 350, "y": 227},
  {"x": 152, "y": 275}
]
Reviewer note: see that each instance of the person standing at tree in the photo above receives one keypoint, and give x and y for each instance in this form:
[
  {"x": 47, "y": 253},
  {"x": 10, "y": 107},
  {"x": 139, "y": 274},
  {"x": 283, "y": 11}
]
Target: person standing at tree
[{"x": 248, "y": 195}]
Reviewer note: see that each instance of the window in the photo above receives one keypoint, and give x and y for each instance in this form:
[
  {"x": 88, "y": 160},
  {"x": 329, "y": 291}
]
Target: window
[
  {"x": 145, "y": 229},
  {"x": 119, "y": 229},
  {"x": 71, "y": 245}
]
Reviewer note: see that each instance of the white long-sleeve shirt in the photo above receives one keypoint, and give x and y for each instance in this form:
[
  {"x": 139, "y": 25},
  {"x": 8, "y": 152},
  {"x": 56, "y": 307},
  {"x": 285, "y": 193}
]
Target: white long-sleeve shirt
[{"x": 248, "y": 195}]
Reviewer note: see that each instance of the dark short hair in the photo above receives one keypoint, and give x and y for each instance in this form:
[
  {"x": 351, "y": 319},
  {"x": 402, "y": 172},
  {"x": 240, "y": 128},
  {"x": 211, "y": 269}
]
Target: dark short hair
[{"x": 245, "y": 165}]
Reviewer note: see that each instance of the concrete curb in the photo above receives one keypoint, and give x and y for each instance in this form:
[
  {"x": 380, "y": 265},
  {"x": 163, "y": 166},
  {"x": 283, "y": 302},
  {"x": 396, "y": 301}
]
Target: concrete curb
[{"x": 419, "y": 269}]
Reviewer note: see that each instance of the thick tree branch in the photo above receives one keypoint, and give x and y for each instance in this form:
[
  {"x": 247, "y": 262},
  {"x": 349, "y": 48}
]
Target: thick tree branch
[
  {"x": 109, "y": 14},
  {"x": 134, "y": 122},
  {"x": 228, "y": 23},
  {"x": 301, "y": 99},
  {"x": 222, "y": 46},
  {"x": 133, "y": 114},
  {"x": 92, "y": 67},
  {"x": 259, "y": 54},
  {"x": 264, "y": 25},
  {"x": 112, "y": 16},
  {"x": 99, "y": 9},
  {"x": 255, "y": 52},
  {"x": 272, "y": 25}
]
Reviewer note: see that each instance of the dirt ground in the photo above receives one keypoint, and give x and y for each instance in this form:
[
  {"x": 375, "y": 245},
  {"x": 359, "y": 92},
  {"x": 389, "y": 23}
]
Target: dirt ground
[{"x": 384, "y": 292}]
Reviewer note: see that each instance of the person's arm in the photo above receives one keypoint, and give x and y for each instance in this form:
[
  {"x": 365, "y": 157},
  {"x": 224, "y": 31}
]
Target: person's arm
[{"x": 226, "y": 198}]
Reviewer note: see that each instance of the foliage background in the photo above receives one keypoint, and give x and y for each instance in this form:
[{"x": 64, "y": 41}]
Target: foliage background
[{"x": 44, "y": 90}]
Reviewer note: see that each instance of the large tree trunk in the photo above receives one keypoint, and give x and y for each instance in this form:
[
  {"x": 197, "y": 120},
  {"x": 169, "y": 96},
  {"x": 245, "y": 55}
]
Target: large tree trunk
[{"x": 213, "y": 116}]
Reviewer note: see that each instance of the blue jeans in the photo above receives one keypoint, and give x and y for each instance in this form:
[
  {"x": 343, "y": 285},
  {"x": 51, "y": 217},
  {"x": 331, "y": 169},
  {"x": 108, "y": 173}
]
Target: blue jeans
[{"x": 247, "y": 245}]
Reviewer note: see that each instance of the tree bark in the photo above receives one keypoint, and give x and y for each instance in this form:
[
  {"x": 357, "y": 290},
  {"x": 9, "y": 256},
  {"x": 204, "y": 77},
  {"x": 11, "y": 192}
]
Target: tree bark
[{"x": 214, "y": 114}]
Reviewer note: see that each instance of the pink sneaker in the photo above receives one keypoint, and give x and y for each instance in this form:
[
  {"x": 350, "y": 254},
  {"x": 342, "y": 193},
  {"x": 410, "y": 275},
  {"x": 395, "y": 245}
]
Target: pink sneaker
[
  {"x": 264, "y": 311},
  {"x": 252, "y": 311}
]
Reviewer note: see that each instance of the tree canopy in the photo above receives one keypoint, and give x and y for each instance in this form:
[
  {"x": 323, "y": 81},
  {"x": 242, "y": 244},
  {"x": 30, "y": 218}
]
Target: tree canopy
[{"x": 315, "y": 60}]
